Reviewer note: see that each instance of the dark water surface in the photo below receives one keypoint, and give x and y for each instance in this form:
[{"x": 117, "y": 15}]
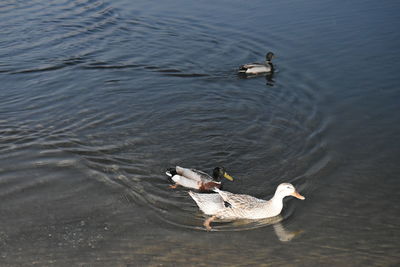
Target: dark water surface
[{"x": 98, "y": 98}]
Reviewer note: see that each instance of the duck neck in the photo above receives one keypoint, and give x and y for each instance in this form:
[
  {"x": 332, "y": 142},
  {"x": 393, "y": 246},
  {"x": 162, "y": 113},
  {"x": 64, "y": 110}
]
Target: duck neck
[
  {"x": 275, "y": 205},
  {"x": 277, "y": 201},
  {"x": 216, "y": 177},
  {"x": 277, "y": 197},
  {"x": 269, "y": 63}
]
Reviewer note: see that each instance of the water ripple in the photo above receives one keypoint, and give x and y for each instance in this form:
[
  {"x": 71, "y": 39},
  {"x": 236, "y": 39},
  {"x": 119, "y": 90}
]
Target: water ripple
[
  {"x": 62, "y": 28},
  {"x": 153, "y": 92}
]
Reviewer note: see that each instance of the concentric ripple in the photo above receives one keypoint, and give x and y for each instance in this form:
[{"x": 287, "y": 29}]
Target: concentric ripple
[
  {"x": 123, "y": 96},
  {"x": 264, "y": 134}
]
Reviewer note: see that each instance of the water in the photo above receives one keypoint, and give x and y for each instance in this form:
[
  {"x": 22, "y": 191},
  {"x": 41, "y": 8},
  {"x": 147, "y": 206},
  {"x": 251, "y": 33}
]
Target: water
[{"x": 98, "y": 98}]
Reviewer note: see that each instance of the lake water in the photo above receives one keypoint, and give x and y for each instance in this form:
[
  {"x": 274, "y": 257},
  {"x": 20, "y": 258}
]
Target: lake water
[{"x": 98, "y": 98}]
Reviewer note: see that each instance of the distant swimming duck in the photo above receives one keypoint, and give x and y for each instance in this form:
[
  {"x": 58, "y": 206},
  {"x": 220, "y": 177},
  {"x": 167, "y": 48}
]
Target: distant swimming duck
[
  {"x": 228, "y": 206},
  {"x": 258, "y": 68},
  {"x": 196, "y": 179}
]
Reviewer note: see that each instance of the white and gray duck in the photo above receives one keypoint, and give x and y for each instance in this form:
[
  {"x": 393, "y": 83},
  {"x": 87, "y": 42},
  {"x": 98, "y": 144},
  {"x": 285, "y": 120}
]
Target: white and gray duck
[
  {"x": 259, "y": 68},
  {"x": 229, "y": 206}
]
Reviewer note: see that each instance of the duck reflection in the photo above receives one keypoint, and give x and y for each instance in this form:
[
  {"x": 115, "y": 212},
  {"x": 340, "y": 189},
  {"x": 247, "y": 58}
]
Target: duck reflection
[
  {"x": 269, "y": 77},
  {"x": 283, "y": 234}
]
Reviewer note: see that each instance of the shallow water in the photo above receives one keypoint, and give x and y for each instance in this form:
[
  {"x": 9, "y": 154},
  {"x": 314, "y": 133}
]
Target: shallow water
[{"x": 98, "y": 98}]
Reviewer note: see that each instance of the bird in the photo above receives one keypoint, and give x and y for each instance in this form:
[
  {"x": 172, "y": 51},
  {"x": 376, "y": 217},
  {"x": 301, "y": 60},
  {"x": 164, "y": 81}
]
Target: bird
[
  {"x": 258, "y": 68},
  {"x": 192, "y": 178},
  {"x": 229, "y": 206}
]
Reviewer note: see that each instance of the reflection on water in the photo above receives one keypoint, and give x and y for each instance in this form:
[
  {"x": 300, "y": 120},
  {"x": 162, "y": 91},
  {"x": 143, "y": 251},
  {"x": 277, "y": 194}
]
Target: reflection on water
[
  {"x": 280, "y": 230},
  {"x": 99, "y": 97},
  {"x": 269, "y": 77},
  {"x": 285, "y": 235}
]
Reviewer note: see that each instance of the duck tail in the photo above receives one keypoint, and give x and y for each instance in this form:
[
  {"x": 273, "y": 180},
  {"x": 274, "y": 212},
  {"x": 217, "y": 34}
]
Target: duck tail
[
  {"x": 171, "y": 172},
  {"x": 242, "y": 68}
]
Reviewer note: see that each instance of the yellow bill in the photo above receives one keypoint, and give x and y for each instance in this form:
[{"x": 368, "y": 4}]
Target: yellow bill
[{"x": 227, "y": 176}]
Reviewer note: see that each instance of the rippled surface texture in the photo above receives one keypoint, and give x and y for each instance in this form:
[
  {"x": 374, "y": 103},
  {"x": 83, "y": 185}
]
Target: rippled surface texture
[{"x": 98, "y": 98}]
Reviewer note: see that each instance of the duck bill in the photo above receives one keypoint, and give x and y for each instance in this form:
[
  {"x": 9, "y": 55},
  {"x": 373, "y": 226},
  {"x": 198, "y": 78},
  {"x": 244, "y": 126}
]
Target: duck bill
[
  {"x": 227, "y": 176},
  {"x": 297, "y": 195}
]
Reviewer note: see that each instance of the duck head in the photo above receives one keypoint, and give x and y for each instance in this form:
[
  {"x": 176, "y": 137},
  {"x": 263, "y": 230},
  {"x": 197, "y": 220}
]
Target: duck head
[
  {"x": 286, "y": 189},
  {"x": 269, "y": 56},
  {"x": 220, "y": 172}
]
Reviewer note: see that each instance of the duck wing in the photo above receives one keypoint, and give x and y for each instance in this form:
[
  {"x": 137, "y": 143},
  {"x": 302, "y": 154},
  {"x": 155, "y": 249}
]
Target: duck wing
[
  {"x": 251, "y": 65},
  {"x": 245, "y": 67},
  {"x": 239, "y": 201},
  {"x": 255, "y": 68},
  {"x": 210, "y": 204},
  {"x": 193, "y": 174}
]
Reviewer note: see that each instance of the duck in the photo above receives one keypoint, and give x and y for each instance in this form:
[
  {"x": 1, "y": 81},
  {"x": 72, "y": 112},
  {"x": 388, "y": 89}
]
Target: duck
[
  {"x": 258, "y": 68},
  {"x": 195, "y": 179},
  {"x": 225, "y": 205}
]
